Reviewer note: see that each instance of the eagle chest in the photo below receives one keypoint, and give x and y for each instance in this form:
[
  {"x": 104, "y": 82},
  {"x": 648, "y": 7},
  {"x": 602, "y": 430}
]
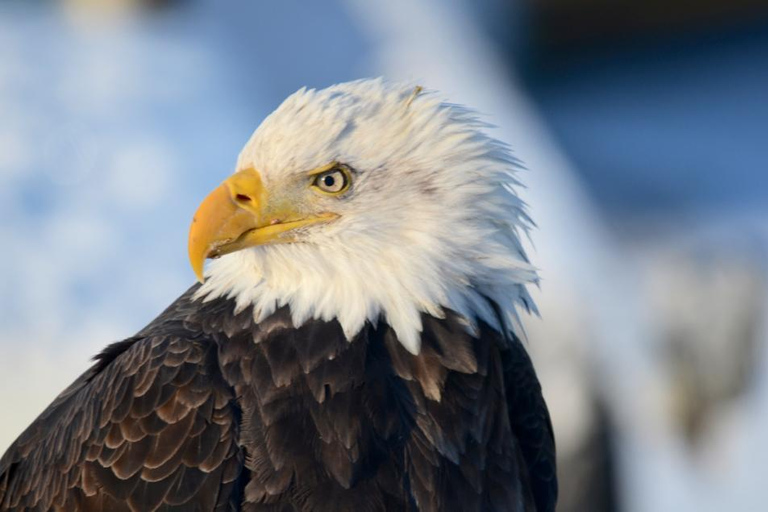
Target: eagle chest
[{"x": 365, "y": 425}]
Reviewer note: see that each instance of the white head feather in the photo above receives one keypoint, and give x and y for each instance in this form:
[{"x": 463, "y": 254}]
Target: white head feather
[{"x": 431, "y": 222}]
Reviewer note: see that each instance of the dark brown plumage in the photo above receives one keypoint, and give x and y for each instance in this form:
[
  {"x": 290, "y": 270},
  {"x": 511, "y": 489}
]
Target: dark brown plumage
[{"x": 206, "y": 410}]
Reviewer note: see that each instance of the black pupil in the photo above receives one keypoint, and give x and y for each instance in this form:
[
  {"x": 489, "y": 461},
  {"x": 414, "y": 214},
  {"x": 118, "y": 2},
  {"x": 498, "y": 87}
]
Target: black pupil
[{"x": 329, "y": 181}]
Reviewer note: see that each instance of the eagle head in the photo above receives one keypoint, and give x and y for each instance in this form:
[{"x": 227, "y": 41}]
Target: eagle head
[{"x": 368, "y": 201}]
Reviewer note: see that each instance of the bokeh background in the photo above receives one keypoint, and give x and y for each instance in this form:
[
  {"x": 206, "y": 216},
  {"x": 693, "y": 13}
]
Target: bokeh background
[{"x": 644, "y": 125}]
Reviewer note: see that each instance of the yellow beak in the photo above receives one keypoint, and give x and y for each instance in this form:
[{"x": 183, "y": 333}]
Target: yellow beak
[{"x": 235, "y": 216}]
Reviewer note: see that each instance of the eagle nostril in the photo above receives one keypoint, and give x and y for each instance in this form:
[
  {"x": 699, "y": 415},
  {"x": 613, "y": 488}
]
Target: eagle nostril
[{"x": 242, "y": 198}]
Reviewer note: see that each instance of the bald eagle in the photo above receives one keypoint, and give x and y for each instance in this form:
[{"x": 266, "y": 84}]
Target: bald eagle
[{"x": 353, "y": 345}]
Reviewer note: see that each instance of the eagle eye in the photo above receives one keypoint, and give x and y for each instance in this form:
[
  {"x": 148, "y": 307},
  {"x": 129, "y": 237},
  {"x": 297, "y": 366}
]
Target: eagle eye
[{"x": 334, "y": 181}]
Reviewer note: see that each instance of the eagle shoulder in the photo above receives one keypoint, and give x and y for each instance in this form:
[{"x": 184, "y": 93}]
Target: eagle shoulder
[{"x": 151, "y": 424}]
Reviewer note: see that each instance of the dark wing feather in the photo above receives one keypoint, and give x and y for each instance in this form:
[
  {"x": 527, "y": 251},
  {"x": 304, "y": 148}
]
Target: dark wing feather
[
  {"x": 531, "y": 425},
  {"x": 150, "y": 426}
]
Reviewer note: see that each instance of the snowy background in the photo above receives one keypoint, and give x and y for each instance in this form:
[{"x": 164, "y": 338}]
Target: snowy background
[{"x": 648, "y": 180}]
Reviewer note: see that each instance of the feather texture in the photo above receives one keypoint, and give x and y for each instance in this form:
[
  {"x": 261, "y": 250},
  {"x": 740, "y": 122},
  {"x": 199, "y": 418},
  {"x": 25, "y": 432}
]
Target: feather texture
[
  {"x": 206, "y": 410},
  {"x": 151, "y": 425}
]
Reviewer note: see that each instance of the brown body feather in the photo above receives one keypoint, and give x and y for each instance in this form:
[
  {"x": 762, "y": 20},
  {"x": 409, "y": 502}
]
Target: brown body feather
[{"x": 206, "y": 410}]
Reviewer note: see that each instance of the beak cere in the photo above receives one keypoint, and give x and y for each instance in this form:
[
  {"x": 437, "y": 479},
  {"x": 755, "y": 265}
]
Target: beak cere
[{"x": 234, "y": 216}]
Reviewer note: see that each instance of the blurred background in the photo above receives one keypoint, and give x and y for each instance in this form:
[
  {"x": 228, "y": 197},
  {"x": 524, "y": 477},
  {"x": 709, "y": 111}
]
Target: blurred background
[{"x": 644, "y": 126}]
